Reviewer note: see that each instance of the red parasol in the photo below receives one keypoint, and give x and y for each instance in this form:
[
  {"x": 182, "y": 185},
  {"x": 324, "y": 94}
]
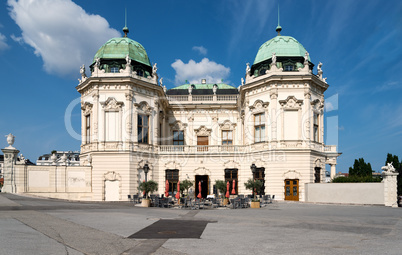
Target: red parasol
[
  {"x": 167, "y": 189},
  {"x": 199, "y": 190},
  {"x": 178, "y": 190},
  {"x": 227, "y": 189},
  {"x": 233, "y": 187}
]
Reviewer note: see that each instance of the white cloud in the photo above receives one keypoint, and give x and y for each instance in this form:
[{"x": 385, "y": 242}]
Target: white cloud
[
  {"x": 201, "y": 50},
  {"x": 388, "y": 86},
  {"x": 61, "y": 32},
  {"x": 3, "y": 44},
  {"x": 194, "y": 72}
]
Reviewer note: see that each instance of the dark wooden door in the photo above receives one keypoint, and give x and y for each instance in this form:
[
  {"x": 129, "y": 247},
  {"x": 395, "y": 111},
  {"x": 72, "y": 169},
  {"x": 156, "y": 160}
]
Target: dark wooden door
[
  {"x": 204, "y": 179},
  {"x": 202, "y": 143},
  {"x": 292, "y": 189}
]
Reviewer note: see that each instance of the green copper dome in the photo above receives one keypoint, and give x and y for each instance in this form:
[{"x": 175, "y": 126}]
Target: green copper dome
[
  {"x": 282, "y": 46},
  {"x": 119, "y": 47}
]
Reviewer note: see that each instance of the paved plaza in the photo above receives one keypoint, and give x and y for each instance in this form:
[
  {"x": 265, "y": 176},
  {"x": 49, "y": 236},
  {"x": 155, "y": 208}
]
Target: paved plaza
[{"x": 48, "y": 226}]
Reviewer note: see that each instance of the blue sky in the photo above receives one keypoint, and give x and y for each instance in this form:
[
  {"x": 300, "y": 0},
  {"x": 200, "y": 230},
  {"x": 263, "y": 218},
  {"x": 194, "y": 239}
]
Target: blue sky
[{"x": 43, "y": 43}]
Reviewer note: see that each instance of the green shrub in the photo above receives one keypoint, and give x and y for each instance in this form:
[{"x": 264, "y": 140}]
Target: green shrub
[{"x": 343, "y": 179}]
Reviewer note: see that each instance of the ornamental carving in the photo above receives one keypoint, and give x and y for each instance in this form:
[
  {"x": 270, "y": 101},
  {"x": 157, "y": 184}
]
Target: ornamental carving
[
  {"x": 203, "y": 131},
  {"x": 231, "y": 164},
  {"x": 86, "y": 108},
  {"x": 178, "y": 125},
  {"x": 144, "y": 107},
  {"x": 112, "y": 176},
  {"x": 318, "y": 105},
  {"x": 129, "y": 96},
  {"x": 227, "y": 125},
  {"x": 259, "y": 106},
  {"x": 172, "y": 165},
  {"x": 291, "y": 103},
  {"x": 112, "y": 104}
]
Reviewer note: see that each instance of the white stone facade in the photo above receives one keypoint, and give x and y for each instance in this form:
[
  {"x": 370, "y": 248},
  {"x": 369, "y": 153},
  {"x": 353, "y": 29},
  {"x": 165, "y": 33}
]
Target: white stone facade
[{"x": 290, "y": 149}]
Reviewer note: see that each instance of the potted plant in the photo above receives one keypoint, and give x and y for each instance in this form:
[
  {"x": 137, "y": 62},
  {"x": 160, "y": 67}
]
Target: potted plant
[
  {"x": 254, "y": 185},
  {"x": 185, "y": 186},
  {"x": 221, "y": 187},
  {"x": 147, "y": 187}
]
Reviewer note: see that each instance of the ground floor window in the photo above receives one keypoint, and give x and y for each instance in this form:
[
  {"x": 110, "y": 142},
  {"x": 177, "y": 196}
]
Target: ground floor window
[
  {"x": 230, "y": 176},
  {"x": 317, "y": 174},
  {"x": 259, "y": 174},
  {"x": 172, "y": 176}
]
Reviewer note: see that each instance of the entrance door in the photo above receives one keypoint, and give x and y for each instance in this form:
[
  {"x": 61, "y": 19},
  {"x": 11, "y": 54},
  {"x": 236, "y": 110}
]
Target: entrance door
[
  {"x": 202, "y": 143},
  {"x": 204, "y": 179},
  {"x": 292, "y": 189},
  {"x": 112, "y": 190}
]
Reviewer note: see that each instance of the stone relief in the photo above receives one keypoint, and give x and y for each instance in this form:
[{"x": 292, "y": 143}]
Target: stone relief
[
  {"x": 202, "y": 131},
  {"x": 112, "y": 104},
  {"x": 86, "y": 108},
  {"x": 291, "y": 103}
]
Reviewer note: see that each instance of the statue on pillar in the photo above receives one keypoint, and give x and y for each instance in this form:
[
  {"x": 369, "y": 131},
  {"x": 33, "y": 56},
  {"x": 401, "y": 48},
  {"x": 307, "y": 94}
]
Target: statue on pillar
[{"x": 389, "y": 168}]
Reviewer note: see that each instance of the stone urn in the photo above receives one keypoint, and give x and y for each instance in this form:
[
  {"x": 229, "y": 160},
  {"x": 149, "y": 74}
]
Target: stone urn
[{"x": 10, "y": 140}]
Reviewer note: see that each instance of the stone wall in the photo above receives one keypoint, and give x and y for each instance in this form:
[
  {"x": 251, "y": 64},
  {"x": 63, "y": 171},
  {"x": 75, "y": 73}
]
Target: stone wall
[{"x": 345, "y": 193}]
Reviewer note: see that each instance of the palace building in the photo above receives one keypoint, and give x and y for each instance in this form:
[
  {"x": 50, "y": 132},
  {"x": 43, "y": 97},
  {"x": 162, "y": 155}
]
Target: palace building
[
  {"x": 204, "y": 132},
  {"x": 269, "y": 128}
]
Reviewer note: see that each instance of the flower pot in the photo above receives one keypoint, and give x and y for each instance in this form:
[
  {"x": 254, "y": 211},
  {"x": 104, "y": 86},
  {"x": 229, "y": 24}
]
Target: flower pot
[
  {"x": 255, "y": 204},
  {"x": 146, "y": 203}
]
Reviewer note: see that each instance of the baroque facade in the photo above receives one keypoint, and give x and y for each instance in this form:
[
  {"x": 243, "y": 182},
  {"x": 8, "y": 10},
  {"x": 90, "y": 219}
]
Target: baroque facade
[{"x": 204, "y": 132}]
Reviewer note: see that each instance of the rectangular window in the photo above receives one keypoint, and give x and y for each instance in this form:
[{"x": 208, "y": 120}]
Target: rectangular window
[
  {"x": 143, "y": 128},
  {"x": 88, "y": 129},
  {"x": 315, "y": 128},
  {"x": 259, "y": 127},
  {"x": 111, "y": 126},
  {"x": 227, "y": 137},
  {"x": 178, "y": 137}
]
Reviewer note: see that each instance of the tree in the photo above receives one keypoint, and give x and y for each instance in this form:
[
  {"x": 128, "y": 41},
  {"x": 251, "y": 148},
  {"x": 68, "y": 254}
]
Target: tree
[
  {"x": 185, "y": 185},
  {"x": 253, "y": 185},
  {"x": 149, "y": 187},
  {"x": 221, "y": 187},
  {"x": 398, "y": 168},
  {"x": 361, "y": 169}
]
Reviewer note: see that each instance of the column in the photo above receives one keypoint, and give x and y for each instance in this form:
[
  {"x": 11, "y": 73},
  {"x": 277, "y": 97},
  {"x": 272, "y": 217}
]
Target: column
[
  {"x": 95, "y": 119},
  {"x": 155, "y": 122},
  {"x": 128, "y": 118},
  {"x": 10, "y": 158},
  {"x": 333, "y": 171},
  {"x": 306, "y": 121},
  {"x": 390, "y": 188},
  {"x": 274, "y": 114}
]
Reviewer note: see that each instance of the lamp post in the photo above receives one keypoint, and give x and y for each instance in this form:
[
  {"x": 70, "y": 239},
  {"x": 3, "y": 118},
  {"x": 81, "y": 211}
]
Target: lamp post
[{"x": 146, "y": 169}]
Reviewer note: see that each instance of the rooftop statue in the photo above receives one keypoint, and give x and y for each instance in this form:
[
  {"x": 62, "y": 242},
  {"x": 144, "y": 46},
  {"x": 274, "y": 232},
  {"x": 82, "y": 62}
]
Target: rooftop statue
[
  {"x": 161, "y": 81},
  {"x": 82, "y": 71},
  {"x": 306, "y": 57},
  {"x": 319, "y": 67},
  {"x": 242, "y": 81},
  {"x": 154, "y": 69},
  {"x": 97, "y": 62},
  {"x": 128, "y": 60},
  {"x": 248, "y": 68},
  {"x": 274, "y": 58}
]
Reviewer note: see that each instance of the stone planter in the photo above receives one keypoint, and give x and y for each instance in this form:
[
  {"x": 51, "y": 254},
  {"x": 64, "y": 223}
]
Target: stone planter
[
  {"x": 146, "y": 202},
  {"x": 225, "y": 201},
  {"x": 255, "y": 204}
]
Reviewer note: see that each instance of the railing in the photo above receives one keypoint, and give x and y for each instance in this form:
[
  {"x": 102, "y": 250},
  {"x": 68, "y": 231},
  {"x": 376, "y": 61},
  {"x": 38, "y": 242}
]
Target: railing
[
  {"x": 203, "y": 98},
  {"x": 178, "y": 98},
  {"x": 227, "y": 98},
  {"x": 174, "y": 149}
]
